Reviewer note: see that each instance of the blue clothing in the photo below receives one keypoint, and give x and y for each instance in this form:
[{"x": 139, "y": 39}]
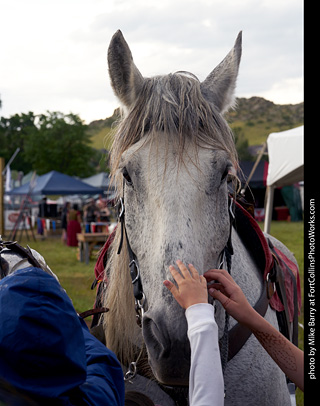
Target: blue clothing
[{"x": 46, "y": 349}]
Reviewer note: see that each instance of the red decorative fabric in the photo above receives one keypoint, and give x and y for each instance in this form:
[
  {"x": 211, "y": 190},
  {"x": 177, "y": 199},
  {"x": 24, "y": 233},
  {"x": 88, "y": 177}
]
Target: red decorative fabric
[
  {"x": 275, "y": 301},
  {"x": 100, "y": 264}
]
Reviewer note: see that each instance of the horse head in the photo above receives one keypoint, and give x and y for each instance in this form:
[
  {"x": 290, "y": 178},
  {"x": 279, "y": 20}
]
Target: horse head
[{"x": 171, "y": 159}]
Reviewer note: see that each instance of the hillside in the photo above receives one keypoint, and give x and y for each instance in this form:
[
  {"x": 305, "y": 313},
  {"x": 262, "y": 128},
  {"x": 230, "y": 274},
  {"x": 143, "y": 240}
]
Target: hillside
[
  {"x": 257, "y": 118},
  {"x": 254, "y": 118}
]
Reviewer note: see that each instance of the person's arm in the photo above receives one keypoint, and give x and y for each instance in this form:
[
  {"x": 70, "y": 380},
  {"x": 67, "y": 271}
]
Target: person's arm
[
  {"x": 206, "y": 384},
  {"x": 104, "y": 383},
  {"x": 288, "y": 357}
]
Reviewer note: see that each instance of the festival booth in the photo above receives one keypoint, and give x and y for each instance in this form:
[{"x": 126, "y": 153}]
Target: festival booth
[
  {"x": 286, "y": 165},
  {"x": 51, "y": 183},
  {"x": 56, "y": 183}
]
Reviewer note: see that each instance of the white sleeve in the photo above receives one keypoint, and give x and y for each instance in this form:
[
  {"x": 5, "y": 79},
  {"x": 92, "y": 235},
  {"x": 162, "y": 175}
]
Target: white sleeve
[{"x": 206, "y": 384}]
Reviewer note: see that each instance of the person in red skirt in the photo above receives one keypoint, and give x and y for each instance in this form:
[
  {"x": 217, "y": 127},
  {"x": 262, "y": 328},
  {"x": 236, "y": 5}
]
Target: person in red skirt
[{"x": 74, "y": 226}]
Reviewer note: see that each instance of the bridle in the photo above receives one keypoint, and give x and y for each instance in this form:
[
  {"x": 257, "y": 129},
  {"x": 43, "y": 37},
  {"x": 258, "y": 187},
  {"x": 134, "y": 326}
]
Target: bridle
[{"x": 140, "y": 297}]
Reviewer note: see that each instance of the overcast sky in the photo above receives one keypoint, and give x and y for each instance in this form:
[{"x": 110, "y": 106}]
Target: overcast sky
[{"x": 53, "y": 53}]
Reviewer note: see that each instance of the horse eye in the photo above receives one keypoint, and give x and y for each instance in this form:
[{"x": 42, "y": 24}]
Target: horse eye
[
  {"x": 225, "y": 174},
  {"x": 127, "y": 176}
]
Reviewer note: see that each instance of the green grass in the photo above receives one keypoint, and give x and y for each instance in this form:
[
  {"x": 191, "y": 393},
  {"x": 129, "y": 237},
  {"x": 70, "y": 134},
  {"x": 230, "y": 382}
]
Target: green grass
[{"x": 76, "y": 277}]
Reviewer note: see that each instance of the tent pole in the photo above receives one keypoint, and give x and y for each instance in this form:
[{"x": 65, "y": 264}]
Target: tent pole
[
  {"x": 268, "y": 208},
  {"x": 261, "y": 152}
]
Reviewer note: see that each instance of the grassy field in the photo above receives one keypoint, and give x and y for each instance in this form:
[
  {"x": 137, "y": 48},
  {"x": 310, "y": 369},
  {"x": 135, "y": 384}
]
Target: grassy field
[{"x": 76, "y": 277}]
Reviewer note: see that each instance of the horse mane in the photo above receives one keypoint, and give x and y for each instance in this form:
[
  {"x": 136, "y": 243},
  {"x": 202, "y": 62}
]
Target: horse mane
[{"x": 172, "y": 105}]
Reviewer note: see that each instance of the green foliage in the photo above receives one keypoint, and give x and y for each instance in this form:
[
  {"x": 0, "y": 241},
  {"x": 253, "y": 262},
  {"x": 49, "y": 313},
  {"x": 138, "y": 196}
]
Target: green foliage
[
  {"x": 242, "y": 145},
  {"x": 13, "y": 133},
  {"x": 60, "y": 143},
  {"x": 51, "y": 141}
]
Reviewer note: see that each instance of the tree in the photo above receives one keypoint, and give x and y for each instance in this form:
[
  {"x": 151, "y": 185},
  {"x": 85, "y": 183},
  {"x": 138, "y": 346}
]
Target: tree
[
  {"x": 242, "y": 145},
  {"x": 13, "y": 133},
  {"x": 60, "y": 142}
]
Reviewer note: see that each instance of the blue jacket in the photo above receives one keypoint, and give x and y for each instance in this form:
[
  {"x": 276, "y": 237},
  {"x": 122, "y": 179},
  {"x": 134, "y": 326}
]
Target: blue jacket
[{"x": 47, "y": 351}]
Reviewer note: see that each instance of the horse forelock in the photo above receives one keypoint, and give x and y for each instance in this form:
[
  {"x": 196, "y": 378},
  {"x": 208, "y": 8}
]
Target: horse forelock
[{"x": 173, "y": 105}]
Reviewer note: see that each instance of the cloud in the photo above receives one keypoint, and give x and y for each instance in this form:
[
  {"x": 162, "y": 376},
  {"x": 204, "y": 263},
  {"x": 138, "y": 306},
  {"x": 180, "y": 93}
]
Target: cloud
[{"x": 54, "y": 53}]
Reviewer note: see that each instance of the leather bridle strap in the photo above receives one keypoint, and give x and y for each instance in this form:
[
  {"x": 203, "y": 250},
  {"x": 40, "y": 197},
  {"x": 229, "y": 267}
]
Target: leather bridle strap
[{"x": 133, "y": 263}]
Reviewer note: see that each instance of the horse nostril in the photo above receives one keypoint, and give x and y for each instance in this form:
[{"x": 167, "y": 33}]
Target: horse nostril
[{"x": 155, "y": 338}]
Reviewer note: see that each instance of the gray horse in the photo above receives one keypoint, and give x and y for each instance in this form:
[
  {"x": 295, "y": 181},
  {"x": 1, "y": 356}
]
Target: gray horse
[{"x": 172, "y": 157}]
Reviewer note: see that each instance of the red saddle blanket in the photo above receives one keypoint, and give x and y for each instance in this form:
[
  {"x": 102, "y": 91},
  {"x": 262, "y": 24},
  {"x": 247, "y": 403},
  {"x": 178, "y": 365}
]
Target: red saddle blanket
[{"x": 255, "y": 241}]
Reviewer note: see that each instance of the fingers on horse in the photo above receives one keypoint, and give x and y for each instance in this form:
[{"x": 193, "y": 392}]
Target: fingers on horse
[
  {"x": 217, "y": 294},
  {"x": 217, "y": 286},
  {"x": 203, "y": 280},
  {"x": 171, "y": 286},
  {"x": 184, "y": 270},
  {"x": 220, "y": 275},
  {"x": 194, "y": 272},
  {"x": 175, "y": 274}
]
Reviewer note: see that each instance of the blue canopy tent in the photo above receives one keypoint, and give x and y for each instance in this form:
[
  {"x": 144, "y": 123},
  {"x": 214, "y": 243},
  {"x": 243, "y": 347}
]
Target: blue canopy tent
[{"x": 56, "y": 183}]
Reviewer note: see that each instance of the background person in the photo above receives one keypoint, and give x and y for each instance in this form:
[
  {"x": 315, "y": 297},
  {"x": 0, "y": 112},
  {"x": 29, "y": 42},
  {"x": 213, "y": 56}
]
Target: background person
[
  {"x": 90, "y": 214},
  {"x": 64, "y": 222},
  {"x": 74, "y": 226}
]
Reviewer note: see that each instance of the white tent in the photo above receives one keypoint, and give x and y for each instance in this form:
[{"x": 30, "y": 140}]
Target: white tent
[
  {"x": 101, "y": 180},
  {"x": 285, "y": 150}
]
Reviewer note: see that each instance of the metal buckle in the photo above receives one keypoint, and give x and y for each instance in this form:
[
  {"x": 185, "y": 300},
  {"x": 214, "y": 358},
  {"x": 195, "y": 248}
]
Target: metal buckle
[
  {"x": 121, "y": 208},
  {"x": 131, "y": 373},
  {"x": 138, "y": 270},
  {"x": 223, "y": 260},
  {"x": 231, "y": 208},
  {"x": 141, "y": 303}
]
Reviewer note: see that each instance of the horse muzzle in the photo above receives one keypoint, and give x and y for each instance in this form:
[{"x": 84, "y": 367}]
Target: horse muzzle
[{"x": 168, "y": 354}]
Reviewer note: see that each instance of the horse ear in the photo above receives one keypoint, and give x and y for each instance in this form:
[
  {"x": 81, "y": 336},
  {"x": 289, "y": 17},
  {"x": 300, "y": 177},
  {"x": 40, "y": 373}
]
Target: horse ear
[
  {"x": 126, "y": 80},
  {"x": 220, "y": 84}
]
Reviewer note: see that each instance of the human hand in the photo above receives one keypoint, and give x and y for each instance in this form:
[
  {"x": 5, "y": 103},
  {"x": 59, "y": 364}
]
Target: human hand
[
  {"x": 192, "y": 287},
  {"x": 230, "y": 295}
]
